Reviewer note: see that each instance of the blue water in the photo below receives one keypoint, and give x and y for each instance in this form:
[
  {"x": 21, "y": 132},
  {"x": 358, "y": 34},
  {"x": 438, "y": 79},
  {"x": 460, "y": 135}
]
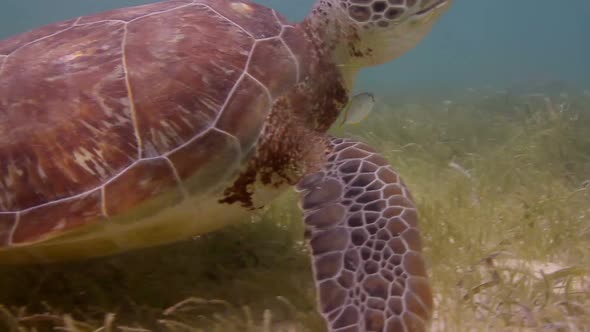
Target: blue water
[{"x": 499, "y": 43}]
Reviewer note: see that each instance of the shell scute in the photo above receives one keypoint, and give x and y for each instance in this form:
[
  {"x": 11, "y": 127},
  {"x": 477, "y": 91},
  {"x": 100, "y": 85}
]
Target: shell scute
[
  {"x": 101, "y": 116},
  {"x": 245, "y": 112},
  {"x": 52, "y": 219},
  {"x": 11, "y": 44},
  {"x": 128, "y": 14},
  {"x": 180, "y": 84},
  {"x": 65, "y": 126},
  {"x": 200, "y": 164},
  {"x": 299, "y": 44},
  {"x": 277, "y": 75},
  {"x": 147, "y": 179},
  {"x": 249, "y": 16}
]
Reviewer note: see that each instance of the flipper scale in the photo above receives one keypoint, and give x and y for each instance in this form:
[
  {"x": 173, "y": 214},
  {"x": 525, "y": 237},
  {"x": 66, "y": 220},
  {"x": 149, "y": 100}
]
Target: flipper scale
[{"x": 366, "y": 248}]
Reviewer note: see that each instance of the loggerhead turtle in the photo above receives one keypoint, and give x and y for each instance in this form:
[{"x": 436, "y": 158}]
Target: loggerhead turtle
[{"x": 152, "y": 124}]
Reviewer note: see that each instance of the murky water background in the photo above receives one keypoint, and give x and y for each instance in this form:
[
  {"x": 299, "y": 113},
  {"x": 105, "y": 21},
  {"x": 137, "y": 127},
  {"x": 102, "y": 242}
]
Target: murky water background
[{"x": 478, "y": 43}]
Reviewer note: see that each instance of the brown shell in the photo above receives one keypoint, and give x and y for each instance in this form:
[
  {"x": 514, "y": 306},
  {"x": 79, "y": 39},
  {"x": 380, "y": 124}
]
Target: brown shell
[{"x": 102, "y": 113}]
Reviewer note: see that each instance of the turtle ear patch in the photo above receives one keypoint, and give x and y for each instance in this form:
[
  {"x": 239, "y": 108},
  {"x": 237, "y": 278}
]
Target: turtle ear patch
[{"x": 366, "y": 248}]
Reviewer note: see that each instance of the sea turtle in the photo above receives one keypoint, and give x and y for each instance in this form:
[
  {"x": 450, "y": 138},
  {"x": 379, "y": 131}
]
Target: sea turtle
[{"x": 156, "y": 123}]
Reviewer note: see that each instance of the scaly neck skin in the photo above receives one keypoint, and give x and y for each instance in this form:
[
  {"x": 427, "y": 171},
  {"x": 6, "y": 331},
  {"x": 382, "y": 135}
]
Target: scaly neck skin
[{"x": 330, "y": 33}]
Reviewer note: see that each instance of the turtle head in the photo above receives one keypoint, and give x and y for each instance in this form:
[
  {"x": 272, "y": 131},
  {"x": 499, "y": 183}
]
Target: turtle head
[{"x": 370, "y": 32}]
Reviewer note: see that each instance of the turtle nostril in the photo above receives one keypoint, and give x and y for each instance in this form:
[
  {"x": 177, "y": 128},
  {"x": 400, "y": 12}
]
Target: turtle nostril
[{"x": 379, "y": 6}]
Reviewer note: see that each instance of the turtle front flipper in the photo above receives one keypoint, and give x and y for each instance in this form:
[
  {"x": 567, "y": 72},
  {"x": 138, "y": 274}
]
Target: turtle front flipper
[{"x": 361, "y": 224}]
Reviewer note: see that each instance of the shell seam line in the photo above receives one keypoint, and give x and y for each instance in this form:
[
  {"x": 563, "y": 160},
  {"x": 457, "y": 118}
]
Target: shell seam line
[
  {"x": 103, "y": 201},
  {"x": 280, "y": 36},
  {"x": 235, "y": 87},
  {"x": 130, "y": 95},
  {"x": 224, "y": 17},
  {"x": 13, "y": 230},
  {"x": 292, "y": 54},
  {"x": 3, "y": 59},
  {"x": 161, "y": 12},
  {"x": 266, "y": 90},
  {"x": 176, "y": 177},
  {"x": 6, "y": 56},
  {"x": 100, "y": 21}
]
